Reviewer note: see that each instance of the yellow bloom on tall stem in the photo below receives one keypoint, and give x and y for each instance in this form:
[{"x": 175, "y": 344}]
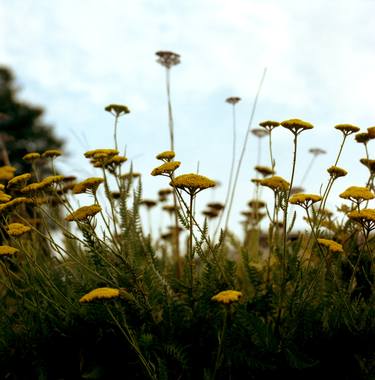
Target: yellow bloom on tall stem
[
  {"x": 331, "y": 245},
  {"x": 17, "y": 229},
  {"x": 100, "y": 294},
  {"x": 166, "y": 169},
  {"x": 347, "y": 129},
  {"x": 305, "y": 200},
  {"x": 6, "y": 250},
  {"x": 357, "y": 194},
  {"x": 83, "y": 213},
  {"x": 89, "y": 186},
  {"x": 227, "y": 296},
  {"x": 192, "y": 183},
  {"x": 167, "y": 155}
]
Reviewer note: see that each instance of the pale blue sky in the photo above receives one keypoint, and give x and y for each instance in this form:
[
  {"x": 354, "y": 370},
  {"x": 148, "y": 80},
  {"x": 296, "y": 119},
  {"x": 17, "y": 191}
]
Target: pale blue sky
[{"x": 75, "y": 57}]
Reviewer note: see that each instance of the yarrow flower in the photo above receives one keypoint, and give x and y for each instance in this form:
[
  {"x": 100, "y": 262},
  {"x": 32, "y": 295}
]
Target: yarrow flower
[
  {"x": 216, "y": 206},
  {"x": 166, "y": 169},
  {"x": 29, "y": 157},
  {"x": 227, "y": 296},
  {"x": 117, "y": 109},
  {"x": 264, "y": 170},
  {"x": 6, "y": 250},
  {"x": 19, "y": 180},
  {"x": 4, "y": 197},
  {"x": 51, "y": 153},
  {"x": 259, "y": 132},
  {"x": 7, "y": 172},
  {"x": 166, "y": 155},
  {"x": 347, "y": 129},
  {"x": 100, "y": 293},
  {"x": 192, "y": 183},
  {"x": 99, "y": 153},
  {"x": 331, "y": 245},
  {"x": 83, "y": 213},
  {"x": 305, "y": 200},
  {"x": 167, "y": 58},
  {"x": 336, "y": 172},
  {"x": 357, "y": 194},
  {"x": 365, "y": 217},
  {"x": 149, "y": 203},
  {"x": 15, "y": 202},
  {"x": 269, "y": 125},
  {"x": 371, "y": 132},
  {"x": 362, "y": 137},
  {"x": 17, "y": 229},
  {"x": 296, "y": 126},
  {"x": 370, "y": 164},
  {"x": 89, "y": 186},
  {"x": 233, "y": 100},
  {"x": 317, "y": 151},
  {"x": 275, "y": 183}
]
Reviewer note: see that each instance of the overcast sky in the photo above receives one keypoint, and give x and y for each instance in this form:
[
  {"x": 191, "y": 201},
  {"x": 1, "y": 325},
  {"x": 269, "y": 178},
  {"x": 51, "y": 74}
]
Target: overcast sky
[{"x": 75, "y": 57}]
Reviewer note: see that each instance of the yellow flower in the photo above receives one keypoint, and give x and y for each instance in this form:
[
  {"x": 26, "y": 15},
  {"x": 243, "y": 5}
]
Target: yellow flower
[
  {"x": 14, "y": 202},
  {"x": 2, "y": 187},
  {"x": 371, "y": 132},
  {"x": 17, "y": 229},
  {"x": 166, "y": 156},
  {"x": 347, "y": 129},
  {"x": 53, "y": 179},
  {"x": 167, "y": 58},
  {"x": 357, "y": 194},
  {"x": 264, "y": 170},
  {"x": 233, "y": 100},
  {"x": 256, "y": 204},
  {"x": 4, "y": 197},
  {"x": 34, "y": 187},
  {"x": 6, "y": 250},
  {"x": 304, "y": 200},
  {"x": 19, "y": 180},
  {"x": 366, "y": 217},
  {"x": 269, "y": 124},
  {"x": 362, "y": 137},
  {"x": 336, "y": 172},
  {"x": 7, "y": 172},
  {"x": 83, "y": 213},
  {"x": 100, "y": 293},
  {"x": 370, "y": 164},
  {"x": 52, "y": 153},
  {"x": 31, "y": 156},
  {"x": 96, "y": 153},
  {"x": 117, "y": 109},
  {"x": 166, "y": 168},
  {"x": 130, "y": 175},
  {"x": 296, "y": 125},
  {"x": 331, "y": 245},
  {"x": 216, "y": 206},
  {"x": 192, "y": 183},
  {"x": 149, "y": 203},
  {"x": 227, "y": 296},
  {"x": 89, "y": 185},
  {"x": 275, "y": 183}
]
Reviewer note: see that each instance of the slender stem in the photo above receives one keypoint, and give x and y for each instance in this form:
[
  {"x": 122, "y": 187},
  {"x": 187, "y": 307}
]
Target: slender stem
[
  {"x": 191, "y": 253},
  {"x": 221, "y": 343},
  {"x": 170, "y": 115},
  {"x": 115, "y": 132}
]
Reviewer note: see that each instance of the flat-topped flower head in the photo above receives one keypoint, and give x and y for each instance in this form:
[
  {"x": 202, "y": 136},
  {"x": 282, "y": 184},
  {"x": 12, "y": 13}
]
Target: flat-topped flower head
[
  {"x": 99, "y": 153},
  {"x": 210, "y": 214},
  {"x": 304, "y": 200},
  {"x": 149, "y": 203},
  {"x": 365, "y": 217},
  {"x": 259, "y": 132},
  {"x": 296, "y": 126},
  {"x": 100, "y": 294},
  {"x": 296, "y": 190},
  {"x": 192, "y": 183},
  {"x": 336, "y": 172},
  {"x": 357, "y": 194},
  {"x": 227, "y": 296},
  {"x": 170, "y": 209},
  {"x": 233, "y": 100},
  {"x": 371, "y": 132},
  {"x": 347, "y": 129},
  {"x": 6, "y": 250},
  {"x": 50, "y": 180},
  {"x": 168, "y": 58},
  {"x": 362, "y": 137},
  {"x": 164, "y": 192},
  {"x": 216, "y": 206},
  {"x": 117, "y": 109},
  {"x": 256, "y": 204},
  {"x": 34, "y": 187},
  {"x": 17, "y": 229},
  {"x": 167, "y": 155},
  {"x": 4, "y": 197},
  {"x": 370, "y": 164},
  {"x": 83, "y": 213},
  {"x": 269, "y": 125},
  {"x": 7, "y": 172},
  {"x": 88, "y": 186},
  {"x": 19, "y": 180},
  {"x": 30, "y": 157},
  {"x": 15, "y": 202},
  {"x": 332, "y": 245},
  {"x": 317, "y": 151},
  {"x": 166, "y": 169},
  {"x": 264, "y": 170},
  {"x": 51, "y": 153},
  {"x": 276, "y": 183},
  {"x": 130, "y": 175}
]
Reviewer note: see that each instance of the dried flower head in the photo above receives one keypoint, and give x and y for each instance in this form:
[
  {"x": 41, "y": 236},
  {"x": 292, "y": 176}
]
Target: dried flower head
[
  {"x": 227, "y": 296},
  {"x": 192, "y": 183},
  {"x": 216, "y": 206},
  {"x": 117, "y": 109},
  {"x": 259, "y": 132},
  {"x": 166, "y": 169},
  {"x": 296, "y": 190},
  {"x": 256, "y": 204},
  {"x": 362, "y": 137},
  {"x": 88, "y": 186},
  {"x": 167, "y": 155},
  {"x": 331, "y": 245},
  {"x": 168, "y": 58},
  {"x": 51, "y": 153},
  {"x": 336, "y": 172},
  {"x": 83, "y": 213},
  {"x": 370, "y": 164},
  {"x": 19, "y": 180},
  {"x": 296, "y": 126},
  {"x": 269, "y": 125},
  {"x": 357, "y": 194},
  {"x": 100, "y": 293},
  {"x": 210, "y": 214},
  {"x": 275, "y": 183},
  {"x": 6, "y": 250},
  {"x": 264, "y": 170},
  {"x": 317, "y": 151},
  {"x": 233, "y": 100},
  {"x": 347, "y": 129},
  {"x": 304, "y": 200},
  {"x": 30, "y": 157},
  {"x": 17, "y": 229},
  {"x": 164, "y": 192},
  {"x": 149, "y": 203},
  {"x": 371, "y": 132}
]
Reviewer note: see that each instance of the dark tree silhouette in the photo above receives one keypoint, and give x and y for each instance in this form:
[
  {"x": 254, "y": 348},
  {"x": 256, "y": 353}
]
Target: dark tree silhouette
[{"x": 21, "y": 127}]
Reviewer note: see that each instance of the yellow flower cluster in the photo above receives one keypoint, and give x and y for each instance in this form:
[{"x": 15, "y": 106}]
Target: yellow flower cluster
[
  {"x": 166, "y": 168},
  {"x": 233, "y": 100},
  {"x": 357, "y": 194},
  {"x": 29, "y": 157},
  {"x": 166, "y": 156},
  {"x": 331, "y": 245},
  {"x": 89, "y": 185},
  {"x": 100, "y": 153},
  {"x": 296, "y": 125},
  {"x": 51, "y": 153},
  {"x": 14, "y": 202},
  {"x": 100, "y": 293},
  {"x": 371, "y": 132},
  {"x": 6, "y": 250},
  {"x": 275, "y": 183},
  {"x": 192, "y": 183},
  {"x": 264, "y": 170},
  {"x": 48, "y": 181},
  {"x": 7, "y": 172},
  {"x": 83, "y": 213},
  {"x": 365, "y": 217},
  {"x": 336, "y": 172},
  {"x": 4, "y": 197},
  {"x": 168, "y": 58},
  {"x": 17, "y": 229},
  {"x": 370, "y": 164},
  {"x": 19, "y": 180},
  {"x": 117, "y": 109},
  {"x": 269, "y": 124},
  {"x": 362, "y": 137},
  {"x": 347, "y": 129},
  {"x": 304, "y": 200},
  {"x": 227, "y": 296}
]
